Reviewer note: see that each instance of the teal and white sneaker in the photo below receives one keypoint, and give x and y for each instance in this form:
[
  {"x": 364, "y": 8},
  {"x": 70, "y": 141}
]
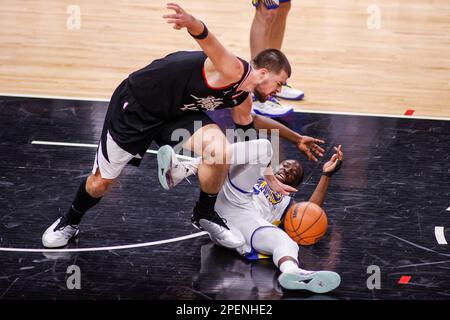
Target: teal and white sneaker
[
  {"x": 289, "y": 93},
  {"x": 314, "y": 281},
  {"x": 271, "y": 108},
  {"x": 172, "y": 171}
]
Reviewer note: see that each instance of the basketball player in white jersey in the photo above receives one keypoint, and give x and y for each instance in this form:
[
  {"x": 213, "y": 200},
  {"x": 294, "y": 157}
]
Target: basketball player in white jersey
[{"x": 253, "y": 211}]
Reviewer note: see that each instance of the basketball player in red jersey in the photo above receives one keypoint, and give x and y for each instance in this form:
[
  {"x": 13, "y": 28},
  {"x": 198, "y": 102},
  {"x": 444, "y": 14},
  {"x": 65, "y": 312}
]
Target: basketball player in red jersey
[{"x": 173, "y": 93}]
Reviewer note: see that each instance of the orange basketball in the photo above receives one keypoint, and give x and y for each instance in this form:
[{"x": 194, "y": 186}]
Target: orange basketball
[{"x": 305, "y": 223}]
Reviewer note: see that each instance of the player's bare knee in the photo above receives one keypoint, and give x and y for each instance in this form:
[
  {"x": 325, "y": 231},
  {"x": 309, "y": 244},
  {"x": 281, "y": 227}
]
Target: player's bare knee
[
  {"x": 217, "y": 153},
  {"x": 97, "y": 187}
]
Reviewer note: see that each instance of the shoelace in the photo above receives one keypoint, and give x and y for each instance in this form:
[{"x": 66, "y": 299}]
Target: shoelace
[
  {"x": 66, "y": 232},
  {"x": 186, "y": 167},
  {"x": 62, "y": 225},
  {"x": 274, "y": 100},
  {"x": 215, "y": 218},
  {"x": 219, "y": 220}
]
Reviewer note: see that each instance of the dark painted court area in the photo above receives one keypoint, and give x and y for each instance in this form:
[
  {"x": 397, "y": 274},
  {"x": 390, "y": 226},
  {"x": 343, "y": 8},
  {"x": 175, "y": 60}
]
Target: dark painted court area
[{"x": 383, "y": 208}]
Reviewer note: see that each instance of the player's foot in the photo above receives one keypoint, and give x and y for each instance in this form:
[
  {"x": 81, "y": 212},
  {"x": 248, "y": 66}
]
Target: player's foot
[
  {"x": 314, "y": 281},
  {"x": 59, "y": 234},
  {"x": 271, "y": 108},
  {"x": 218, "y": 231},
  {"x": 171, "y": 171},
  {"x": 289, "y": 93}
]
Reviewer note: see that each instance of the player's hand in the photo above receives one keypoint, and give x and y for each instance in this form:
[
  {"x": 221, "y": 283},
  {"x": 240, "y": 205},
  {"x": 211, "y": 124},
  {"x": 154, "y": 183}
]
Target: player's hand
[
  {"x": 278, "y": 186},
  {"x": 180, "y": 19},
  {"x": 309, "y": 146},
  {"x": 335, "y": 163}
]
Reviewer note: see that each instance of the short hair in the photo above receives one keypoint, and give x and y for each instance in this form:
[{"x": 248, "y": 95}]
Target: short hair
[{"x": 273, "y": 60}]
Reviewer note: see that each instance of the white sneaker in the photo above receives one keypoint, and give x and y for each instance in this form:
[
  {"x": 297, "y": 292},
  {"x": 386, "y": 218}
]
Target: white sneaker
[
  {"x": 171, "y": 171},
  {"x": 289, "y": 93},
  {"x": 58, "y": 235},
  {"x": 216, "y": 227},
  {"x": 314, "y": 281},
  {"x": 271, "y": 108}
]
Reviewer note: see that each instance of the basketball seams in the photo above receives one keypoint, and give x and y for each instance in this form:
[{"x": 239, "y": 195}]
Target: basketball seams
[
  {"x": 315, "y": 237},
  {"x": 301, "y": 219},
  {"x": 288, "y": 221},
  {"x": 312, "y": 224},
  {"x": 294, "y": 224}
]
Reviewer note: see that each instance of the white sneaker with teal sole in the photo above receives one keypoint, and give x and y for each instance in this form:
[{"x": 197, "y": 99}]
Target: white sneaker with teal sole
[
  {"x": 314, "y": 281},
  {"x": 172, "y": 171}
]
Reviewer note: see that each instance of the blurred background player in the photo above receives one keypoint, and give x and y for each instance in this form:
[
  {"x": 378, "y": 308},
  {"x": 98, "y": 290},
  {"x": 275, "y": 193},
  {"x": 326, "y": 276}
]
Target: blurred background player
[
  {"x": 253, "y": 211},
  {"x": 267, "y": 31}
]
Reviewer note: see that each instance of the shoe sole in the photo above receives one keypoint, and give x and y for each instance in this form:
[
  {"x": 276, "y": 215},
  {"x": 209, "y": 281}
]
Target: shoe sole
[
  {"x": 273, "y": 115},
  {"x": 164, "y": 158},
  {"x": 318, "y": 282}
]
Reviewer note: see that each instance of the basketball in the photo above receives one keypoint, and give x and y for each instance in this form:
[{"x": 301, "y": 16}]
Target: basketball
[{"x": 305, "y": 223}]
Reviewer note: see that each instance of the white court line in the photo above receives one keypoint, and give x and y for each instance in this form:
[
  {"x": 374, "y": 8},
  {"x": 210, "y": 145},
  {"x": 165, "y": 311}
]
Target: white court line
[
  {"x": 383, "y": 115},
  {"x": 297, "y": 111},
  {"x": 129, "y": 246},
  {"x": 439, "y": 234},
  {"x": 39, "y": 96},
  {"x": 448, "y": 209},
  {"x": 89, "y": 145}
]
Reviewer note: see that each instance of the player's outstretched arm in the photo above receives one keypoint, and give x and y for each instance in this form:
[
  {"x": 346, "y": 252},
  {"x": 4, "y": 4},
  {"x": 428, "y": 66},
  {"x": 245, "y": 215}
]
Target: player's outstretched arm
[
  {"x": 308, "y": 145},
  {"x": 242, "y": 114},
  {"x": 329, "y": 168},
  {"x": 224, "y": 61}
]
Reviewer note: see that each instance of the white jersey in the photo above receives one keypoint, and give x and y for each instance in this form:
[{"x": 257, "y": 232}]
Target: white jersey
[{"x": 271, "y": 205}]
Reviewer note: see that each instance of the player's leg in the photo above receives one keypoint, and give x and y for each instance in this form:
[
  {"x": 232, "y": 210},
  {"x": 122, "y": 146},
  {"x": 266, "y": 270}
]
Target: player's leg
[
  {"x": 277, "y": 31},
  {"x": 276, "y": 37},
  {"x": 262, "y": 24},
  {"x": 256, "y": 153},
  {"x": 109, "y": 163},
  {"x": 250, "y": 159},
  {"x": 274, "y": 241},
  {"x": 206, "y": 139},
  {"x": 212, "y": 145}
]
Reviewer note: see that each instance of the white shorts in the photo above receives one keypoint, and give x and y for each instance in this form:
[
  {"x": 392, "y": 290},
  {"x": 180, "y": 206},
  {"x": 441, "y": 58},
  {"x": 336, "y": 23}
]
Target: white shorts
[
  {"x": 243, "y": 220},
  {"x": 111, "y": 161},
  {"x": 235, "y": 200}
]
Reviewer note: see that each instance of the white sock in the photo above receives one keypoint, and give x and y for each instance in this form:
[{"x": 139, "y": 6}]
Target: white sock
[{"x": 288, "y": 266}]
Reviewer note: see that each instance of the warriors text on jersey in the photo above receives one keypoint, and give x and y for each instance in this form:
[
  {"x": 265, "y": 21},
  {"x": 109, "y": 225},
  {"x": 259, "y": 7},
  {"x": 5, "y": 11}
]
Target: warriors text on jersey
[{"x": 272, "y": 205}]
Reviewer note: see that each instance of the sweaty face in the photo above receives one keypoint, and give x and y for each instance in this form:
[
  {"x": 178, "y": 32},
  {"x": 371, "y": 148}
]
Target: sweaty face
[
  {"x": 290, "y": 173},
  {"x": 270, "y": 85}
]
